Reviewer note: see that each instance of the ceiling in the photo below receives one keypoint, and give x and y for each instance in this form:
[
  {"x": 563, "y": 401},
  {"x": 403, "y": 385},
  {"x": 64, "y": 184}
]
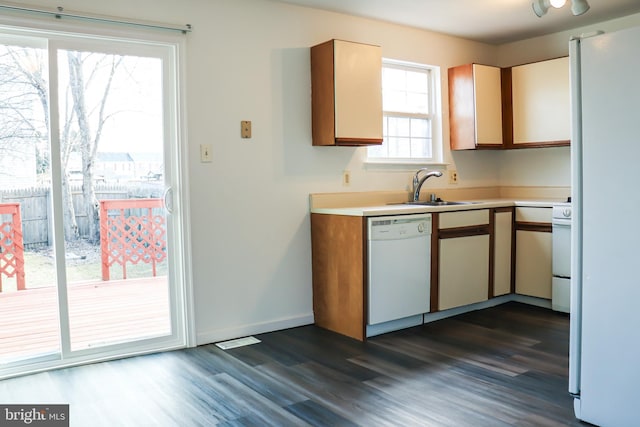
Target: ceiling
[{"x": 488, "y": 21}]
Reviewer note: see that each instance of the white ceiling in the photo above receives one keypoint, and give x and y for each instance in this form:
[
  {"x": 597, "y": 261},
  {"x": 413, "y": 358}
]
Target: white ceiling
[{"x": 488, "y": 21}]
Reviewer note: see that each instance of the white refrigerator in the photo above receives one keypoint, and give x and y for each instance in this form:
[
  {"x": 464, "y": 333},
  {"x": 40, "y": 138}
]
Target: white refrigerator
[{"x": 604, "y": 366}]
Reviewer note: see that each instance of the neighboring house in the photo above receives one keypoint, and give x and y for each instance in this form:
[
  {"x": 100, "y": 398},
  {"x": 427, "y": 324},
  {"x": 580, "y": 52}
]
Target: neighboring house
[
  {"x": 148, "y": 166},
  {"x": 119, "y": 168},
  {"x": 115, "y": 167}
]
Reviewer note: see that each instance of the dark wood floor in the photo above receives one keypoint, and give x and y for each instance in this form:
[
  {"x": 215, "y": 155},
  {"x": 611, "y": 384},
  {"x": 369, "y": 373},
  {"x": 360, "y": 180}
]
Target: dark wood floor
[{"x": 504, "y": 366}]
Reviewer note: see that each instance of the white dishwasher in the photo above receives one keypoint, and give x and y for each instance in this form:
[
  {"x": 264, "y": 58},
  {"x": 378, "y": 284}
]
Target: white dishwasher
[{"x": 399, "y": 271}]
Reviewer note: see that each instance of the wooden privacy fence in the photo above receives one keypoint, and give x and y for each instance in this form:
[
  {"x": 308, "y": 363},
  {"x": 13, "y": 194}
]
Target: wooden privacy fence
[
  {"x": 37, "y": 230},
  {"x": 11, "y": 247},
  {"x": 127, "y": 238}
]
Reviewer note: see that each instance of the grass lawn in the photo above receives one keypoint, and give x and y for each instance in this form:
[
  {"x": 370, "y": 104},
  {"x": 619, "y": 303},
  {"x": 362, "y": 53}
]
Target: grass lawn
[{"x": 83, "y": 264}]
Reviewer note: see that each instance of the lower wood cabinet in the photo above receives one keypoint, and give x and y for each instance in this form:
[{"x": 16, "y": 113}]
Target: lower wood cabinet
[
  {"x": 475, "y": 255},
  {"x": 533, "y": 252},
  {"x": 338, "y": 245},
  {"x": 462, "y": 272},
  {"x": 503, "y": 245}
]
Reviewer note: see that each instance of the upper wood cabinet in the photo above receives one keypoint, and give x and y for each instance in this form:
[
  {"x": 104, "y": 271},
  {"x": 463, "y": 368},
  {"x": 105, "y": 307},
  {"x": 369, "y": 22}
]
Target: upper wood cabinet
[
  {"x": 346, "y": 93},
  {"x": 541, "y": 103},
  {"x": 475, "y": 107},
  {"x": 525, "y": 106}
]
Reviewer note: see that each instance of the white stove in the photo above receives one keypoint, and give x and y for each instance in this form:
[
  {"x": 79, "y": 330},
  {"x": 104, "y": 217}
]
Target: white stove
[{"x": 561, "y": 257}]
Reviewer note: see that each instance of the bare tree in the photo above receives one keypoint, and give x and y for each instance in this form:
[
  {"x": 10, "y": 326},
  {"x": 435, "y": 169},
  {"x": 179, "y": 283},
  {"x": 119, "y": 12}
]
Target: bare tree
[
  {"x": 89, "y": 139},
  {"x": 23, "y": 107},
  {"x": 23, "y": 84}
]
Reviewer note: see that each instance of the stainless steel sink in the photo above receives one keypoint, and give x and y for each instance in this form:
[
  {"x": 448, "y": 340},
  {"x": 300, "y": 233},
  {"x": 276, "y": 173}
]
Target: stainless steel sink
[{"x": 437, "y": 203}]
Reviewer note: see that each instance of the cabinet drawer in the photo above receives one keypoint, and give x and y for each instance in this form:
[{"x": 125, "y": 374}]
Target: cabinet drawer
[
  {"x": 528, "y": 214},
  {"x": 464, "y": 218}
]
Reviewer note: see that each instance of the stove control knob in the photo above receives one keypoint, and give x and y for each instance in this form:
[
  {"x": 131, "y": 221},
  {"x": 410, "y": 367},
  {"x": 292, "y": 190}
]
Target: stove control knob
[{"x": 566, "y": 212}]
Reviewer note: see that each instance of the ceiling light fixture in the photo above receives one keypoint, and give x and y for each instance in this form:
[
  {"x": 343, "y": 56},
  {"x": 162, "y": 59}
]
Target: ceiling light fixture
[
  {"x": 578, "y": 7},
  {"x": 540, "y": 7}
]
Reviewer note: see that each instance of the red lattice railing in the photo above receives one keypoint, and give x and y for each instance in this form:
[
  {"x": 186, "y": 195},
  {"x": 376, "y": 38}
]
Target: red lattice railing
[
  {"x": 127, "y": 238},
  {"x": 11, "y": 247}
]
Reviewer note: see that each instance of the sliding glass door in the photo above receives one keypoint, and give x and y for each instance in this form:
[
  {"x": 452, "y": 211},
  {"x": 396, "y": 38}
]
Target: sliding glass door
[{"x": 88, "y": 215}]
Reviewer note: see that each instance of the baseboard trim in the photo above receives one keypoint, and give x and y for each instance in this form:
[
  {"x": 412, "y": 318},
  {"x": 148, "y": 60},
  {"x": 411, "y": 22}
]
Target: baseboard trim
[
  {"x": 212, "y": 336},
  {"x": 539, "y": 302}
]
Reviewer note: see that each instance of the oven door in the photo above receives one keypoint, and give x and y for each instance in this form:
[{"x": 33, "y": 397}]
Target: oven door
[
  {"x": 561, "y": 294},
  {"x": 561, "y": 247}
]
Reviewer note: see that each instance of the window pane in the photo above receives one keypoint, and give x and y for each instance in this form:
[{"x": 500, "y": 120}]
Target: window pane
[
  {"x": 404, "y": 147},
  {"x": 405, "y": 91},
  {"x": 112, "y": 138},
  {"x": 416, "y": 103},
  {"x": 420, "y": 128},
  {"x": 394, "y": 100},
  {"x": 394, "y": 147},
  {"x": 403, "y": 127},
  {"x": 419, "y": 147},
  {"x": 393, "y": 79},
  {"x": 406, "y": 94},
  {"x": 418, "y": 82},
  {"x": 28, "y": 299}
]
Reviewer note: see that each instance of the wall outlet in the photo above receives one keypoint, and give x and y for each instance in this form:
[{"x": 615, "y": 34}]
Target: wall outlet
[
  {"x": 453, "y": 177},
  {"x": 346, "y": 178}
]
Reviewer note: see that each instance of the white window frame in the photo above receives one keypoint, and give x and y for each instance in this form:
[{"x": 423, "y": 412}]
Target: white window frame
[{"x": 435, "y": 116}]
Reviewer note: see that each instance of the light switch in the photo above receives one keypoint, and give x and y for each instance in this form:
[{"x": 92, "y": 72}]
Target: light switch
[
  {"x": 245, "y": 128},
  {"x": 205, "y": 153}
]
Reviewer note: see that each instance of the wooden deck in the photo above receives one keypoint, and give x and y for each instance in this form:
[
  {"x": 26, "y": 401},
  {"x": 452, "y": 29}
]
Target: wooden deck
[{"x": 100, "y": 313}]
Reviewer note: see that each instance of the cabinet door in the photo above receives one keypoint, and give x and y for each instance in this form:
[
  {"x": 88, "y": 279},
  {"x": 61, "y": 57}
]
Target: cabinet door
[
  {"x": 463, "y": 258},
  {"x": 346, "y": 93},
  {"x": 463, "y": 271},
  {"x": 358, "y": 91},
  {"x": 533, "y": 251},
  {"x": 503, "y": 231},
  {"x": 475, "y": 107},
  {"x": 541, "y": 103},
  {"x": 488, "y": 105},
  {"x": 533, "y": 263}
]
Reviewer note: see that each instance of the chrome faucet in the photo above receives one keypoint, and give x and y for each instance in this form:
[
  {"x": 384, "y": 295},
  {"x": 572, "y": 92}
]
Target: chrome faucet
[{"x": 418, "y": 181}]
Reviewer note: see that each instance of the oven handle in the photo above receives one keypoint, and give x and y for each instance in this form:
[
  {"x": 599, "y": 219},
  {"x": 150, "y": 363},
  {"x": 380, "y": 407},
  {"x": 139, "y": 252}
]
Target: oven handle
[{"x": 559, "y": 222}]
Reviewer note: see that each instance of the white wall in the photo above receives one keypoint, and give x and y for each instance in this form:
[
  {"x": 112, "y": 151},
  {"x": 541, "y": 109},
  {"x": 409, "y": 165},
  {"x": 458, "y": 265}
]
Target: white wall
[{"x": 249, "y": 60}]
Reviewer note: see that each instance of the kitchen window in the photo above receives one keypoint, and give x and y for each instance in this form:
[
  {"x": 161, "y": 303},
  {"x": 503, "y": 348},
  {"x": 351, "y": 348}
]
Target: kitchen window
[{"x": 411, "y": 115}]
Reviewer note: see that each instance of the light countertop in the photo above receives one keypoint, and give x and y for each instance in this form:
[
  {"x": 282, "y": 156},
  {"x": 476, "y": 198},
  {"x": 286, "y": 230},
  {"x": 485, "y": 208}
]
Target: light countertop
[{"x": 403, "y": 209}]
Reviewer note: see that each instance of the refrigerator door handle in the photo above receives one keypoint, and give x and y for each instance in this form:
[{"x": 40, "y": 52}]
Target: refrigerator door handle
[{"x": 575, "y": 332}]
